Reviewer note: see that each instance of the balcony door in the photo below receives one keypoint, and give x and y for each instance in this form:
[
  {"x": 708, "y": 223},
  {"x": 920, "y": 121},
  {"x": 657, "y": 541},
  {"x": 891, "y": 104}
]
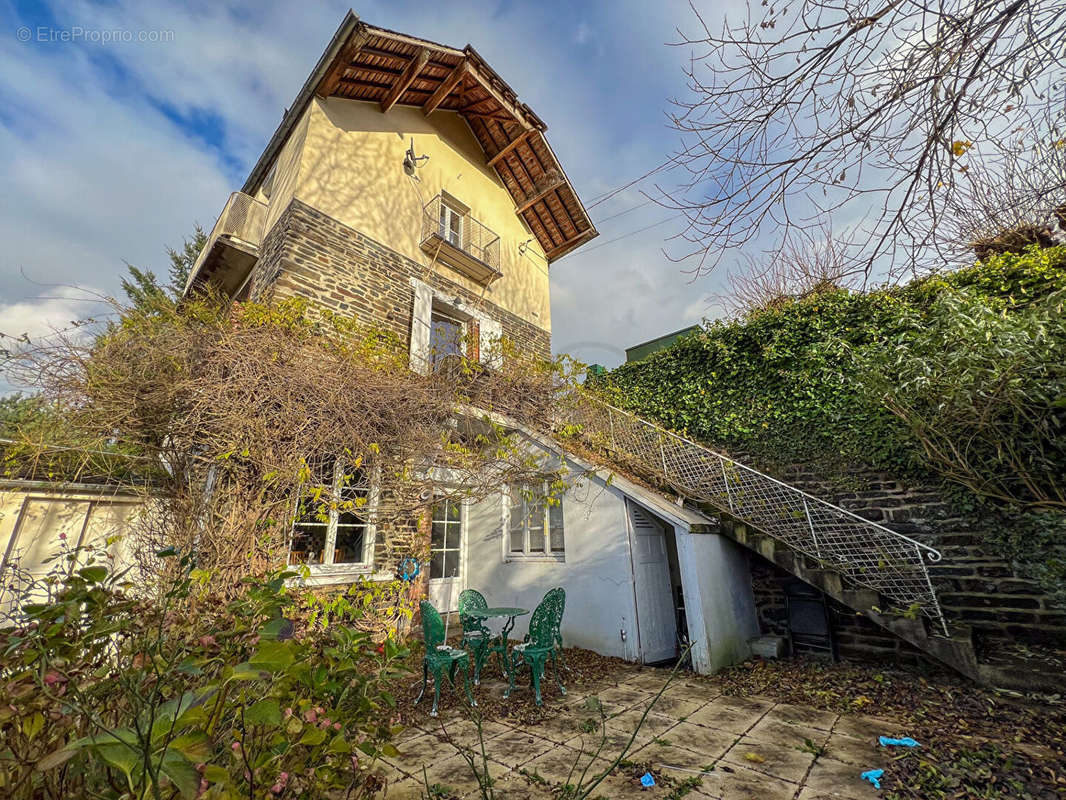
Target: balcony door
[{"x": 451, "y": 225}]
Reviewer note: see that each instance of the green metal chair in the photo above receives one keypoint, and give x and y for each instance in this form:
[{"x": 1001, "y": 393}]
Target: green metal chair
[
  {"x": 476, "y": 635},
  {"x": 437, "y": 659},
  {"x": 558, "y": 595},
  {"x": 540, "y": 644}
]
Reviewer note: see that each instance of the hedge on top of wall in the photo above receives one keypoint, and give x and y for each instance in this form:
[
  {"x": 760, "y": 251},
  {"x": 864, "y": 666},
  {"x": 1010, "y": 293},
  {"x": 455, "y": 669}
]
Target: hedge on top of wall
[
  {"x": 974, "y": 358},
  {"x": 781, "y": 385}
]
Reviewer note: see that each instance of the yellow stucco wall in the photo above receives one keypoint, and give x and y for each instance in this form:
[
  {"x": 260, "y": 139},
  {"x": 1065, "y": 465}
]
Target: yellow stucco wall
[
  {"x": 350, "y": 159},
  {"x": 286, "y": 173}
]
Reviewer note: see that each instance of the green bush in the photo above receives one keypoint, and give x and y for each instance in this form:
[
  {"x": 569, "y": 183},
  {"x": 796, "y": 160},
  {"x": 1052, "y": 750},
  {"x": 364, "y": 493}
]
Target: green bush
[
  {"x": 958, "y": 377},
  {"x": 981, "y": 391},
  {"x": 104, "y": 693},
  {"x": 780, "y": 384}
]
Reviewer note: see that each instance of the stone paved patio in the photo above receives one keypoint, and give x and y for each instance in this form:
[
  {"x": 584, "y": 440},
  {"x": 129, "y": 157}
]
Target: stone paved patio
[{"x": 739, "y": 747}]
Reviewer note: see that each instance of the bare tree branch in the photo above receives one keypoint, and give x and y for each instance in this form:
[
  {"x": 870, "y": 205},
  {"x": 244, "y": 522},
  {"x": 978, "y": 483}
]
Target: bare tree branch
[{"x": 871, "y": 112}]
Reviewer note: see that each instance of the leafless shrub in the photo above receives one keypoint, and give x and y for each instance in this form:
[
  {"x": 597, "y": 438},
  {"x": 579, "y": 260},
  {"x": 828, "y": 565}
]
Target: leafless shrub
[
  {"x": 797, "y": 271},
  {"x": 240, "y": 419},
  {"x": 1005, "y": 206}
]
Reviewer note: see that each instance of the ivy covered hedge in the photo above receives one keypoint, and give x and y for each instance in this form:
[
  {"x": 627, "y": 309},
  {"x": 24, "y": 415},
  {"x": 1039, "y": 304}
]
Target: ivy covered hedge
[
  {"x": 958, "y": 378},
  {"x": 785, "y": 384}
]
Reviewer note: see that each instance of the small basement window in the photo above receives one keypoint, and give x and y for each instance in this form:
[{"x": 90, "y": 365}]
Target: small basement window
[{"x": 535, "y": 524}]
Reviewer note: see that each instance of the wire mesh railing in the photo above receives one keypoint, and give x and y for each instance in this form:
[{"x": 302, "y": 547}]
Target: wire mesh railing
[
  {"x": 863, "y": 552},
  {"x": 243, "y": 217},
  {"x": 447, "y": 223}
]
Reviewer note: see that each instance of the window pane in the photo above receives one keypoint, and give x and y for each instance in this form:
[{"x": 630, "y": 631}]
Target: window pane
[
  {"x": 453, "y": 511},
  {"x": 436, "y": 565},
  {"x": 451, "y": 563},
  {"x": 436, "y": 541},
  {"x": 349, "y": 546},
  {"x": 536, "y": 526},
  {"x": 518, "y": 543},
  {"x": 308, "y": 542},
  {"x": 517, "y": 520},
  {"x": 446, "y": 338},
  {"x": 322, "y": 470},
  {"x": 555, "y": 524}
]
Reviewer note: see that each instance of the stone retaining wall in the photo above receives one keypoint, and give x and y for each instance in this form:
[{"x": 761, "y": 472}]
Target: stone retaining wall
[{"x": 976, "y": 585}]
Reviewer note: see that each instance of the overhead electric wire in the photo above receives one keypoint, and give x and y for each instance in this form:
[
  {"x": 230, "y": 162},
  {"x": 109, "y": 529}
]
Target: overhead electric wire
[
  {"x": 603, "y": 198},
  {"x": 626, "y": 211},
  {"x": 597, "y": 246}
]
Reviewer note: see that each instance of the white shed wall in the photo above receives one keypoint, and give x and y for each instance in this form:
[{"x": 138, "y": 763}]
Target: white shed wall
[
  {"x": 596, "y": 572},
  {"x": 719, "y": 602}
]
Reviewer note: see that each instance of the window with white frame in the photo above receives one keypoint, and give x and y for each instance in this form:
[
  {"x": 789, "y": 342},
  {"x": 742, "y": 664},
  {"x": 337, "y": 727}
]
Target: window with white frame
[
  {"x": 445, "y": 540},
  {"x": 331, "y": 526},
  {"x": 535, "y": 524}
]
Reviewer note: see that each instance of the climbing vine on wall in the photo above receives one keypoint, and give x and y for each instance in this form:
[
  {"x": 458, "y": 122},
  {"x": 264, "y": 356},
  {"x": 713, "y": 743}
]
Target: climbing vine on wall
[{"x": 780, "y": 384}]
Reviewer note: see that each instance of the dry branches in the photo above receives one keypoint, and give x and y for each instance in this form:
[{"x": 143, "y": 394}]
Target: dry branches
[
  {"x": 869, "y": 110},
  {"x": 257, "y": 425},
  {"x": 795, "y": 272}
]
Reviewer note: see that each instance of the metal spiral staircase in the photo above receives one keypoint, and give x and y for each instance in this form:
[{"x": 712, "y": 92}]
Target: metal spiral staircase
[{"x": 867, "y": 567}]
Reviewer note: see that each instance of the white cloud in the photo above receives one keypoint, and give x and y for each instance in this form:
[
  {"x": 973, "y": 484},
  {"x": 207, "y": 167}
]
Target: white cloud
[{"x": 64, "y": 310}]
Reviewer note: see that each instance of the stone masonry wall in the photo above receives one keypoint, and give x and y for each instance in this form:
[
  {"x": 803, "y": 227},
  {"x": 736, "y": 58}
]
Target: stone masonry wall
[
  {"x": 857, "y": 638},
  {"x": 975, "y": 585},
  {"x": 309, "y": 254}
]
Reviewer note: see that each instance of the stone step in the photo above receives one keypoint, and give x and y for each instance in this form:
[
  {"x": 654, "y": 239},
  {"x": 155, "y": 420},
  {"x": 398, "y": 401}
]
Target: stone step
[{"x": 860, "y": 599}]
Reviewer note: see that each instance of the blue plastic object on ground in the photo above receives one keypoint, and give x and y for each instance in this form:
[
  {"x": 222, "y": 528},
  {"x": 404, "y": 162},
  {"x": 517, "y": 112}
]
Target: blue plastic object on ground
[
  {"x": 873, "y": 776},
  {"x": 647, "y": 780},
  {"x": 906, "y": 741}
]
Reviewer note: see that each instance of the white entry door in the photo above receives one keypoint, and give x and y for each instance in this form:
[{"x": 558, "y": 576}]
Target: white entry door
[
  {"x": 656, "y": 621},
  {"x": 446, "y": 556}
]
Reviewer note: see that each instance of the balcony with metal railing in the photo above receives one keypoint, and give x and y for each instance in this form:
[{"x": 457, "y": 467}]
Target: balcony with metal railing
[
  {"x": 232, "y": 247},
  {"x": 451, "y": 235}
]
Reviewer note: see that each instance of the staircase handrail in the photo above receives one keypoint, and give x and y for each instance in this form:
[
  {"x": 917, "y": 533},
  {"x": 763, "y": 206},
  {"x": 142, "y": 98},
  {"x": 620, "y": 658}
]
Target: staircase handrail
[{"x": 867, "y": 553}]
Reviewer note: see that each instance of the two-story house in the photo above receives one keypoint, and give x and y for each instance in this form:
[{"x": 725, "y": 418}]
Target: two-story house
[{"x": 408, "y": 187}]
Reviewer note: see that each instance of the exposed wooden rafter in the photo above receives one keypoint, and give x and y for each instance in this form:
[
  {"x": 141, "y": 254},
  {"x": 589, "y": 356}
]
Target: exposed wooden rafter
[
  {"x": 446, "y": 87},
  {"x": 499, "y": 116},
  {"x": 389, "y": 68},
  {"x": 344, "y": 58},
  {"x": 403, "y": 83},
  {"x": 543, "y": 193},
  {"x": 564, "y": 248},
  {"x": 510, "y": 146}
]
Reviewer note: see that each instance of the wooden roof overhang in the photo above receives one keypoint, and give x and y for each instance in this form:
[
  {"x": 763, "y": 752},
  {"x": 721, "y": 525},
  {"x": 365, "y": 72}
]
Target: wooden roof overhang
[{"x": 389, "y": 68}]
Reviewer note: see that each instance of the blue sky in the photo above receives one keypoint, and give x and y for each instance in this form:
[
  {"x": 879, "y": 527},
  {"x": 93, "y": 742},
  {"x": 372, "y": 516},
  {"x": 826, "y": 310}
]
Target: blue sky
[{"x": 109, "y": 151}]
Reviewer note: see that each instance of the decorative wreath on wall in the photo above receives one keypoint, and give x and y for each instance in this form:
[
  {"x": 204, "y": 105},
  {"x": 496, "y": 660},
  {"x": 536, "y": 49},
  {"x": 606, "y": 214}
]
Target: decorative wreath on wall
[{"x": 409, "y": 568}]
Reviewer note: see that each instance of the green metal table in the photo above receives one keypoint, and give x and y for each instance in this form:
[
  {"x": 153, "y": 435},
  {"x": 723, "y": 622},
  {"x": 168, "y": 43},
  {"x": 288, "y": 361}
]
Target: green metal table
[{"x": 500, "y": 612}]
